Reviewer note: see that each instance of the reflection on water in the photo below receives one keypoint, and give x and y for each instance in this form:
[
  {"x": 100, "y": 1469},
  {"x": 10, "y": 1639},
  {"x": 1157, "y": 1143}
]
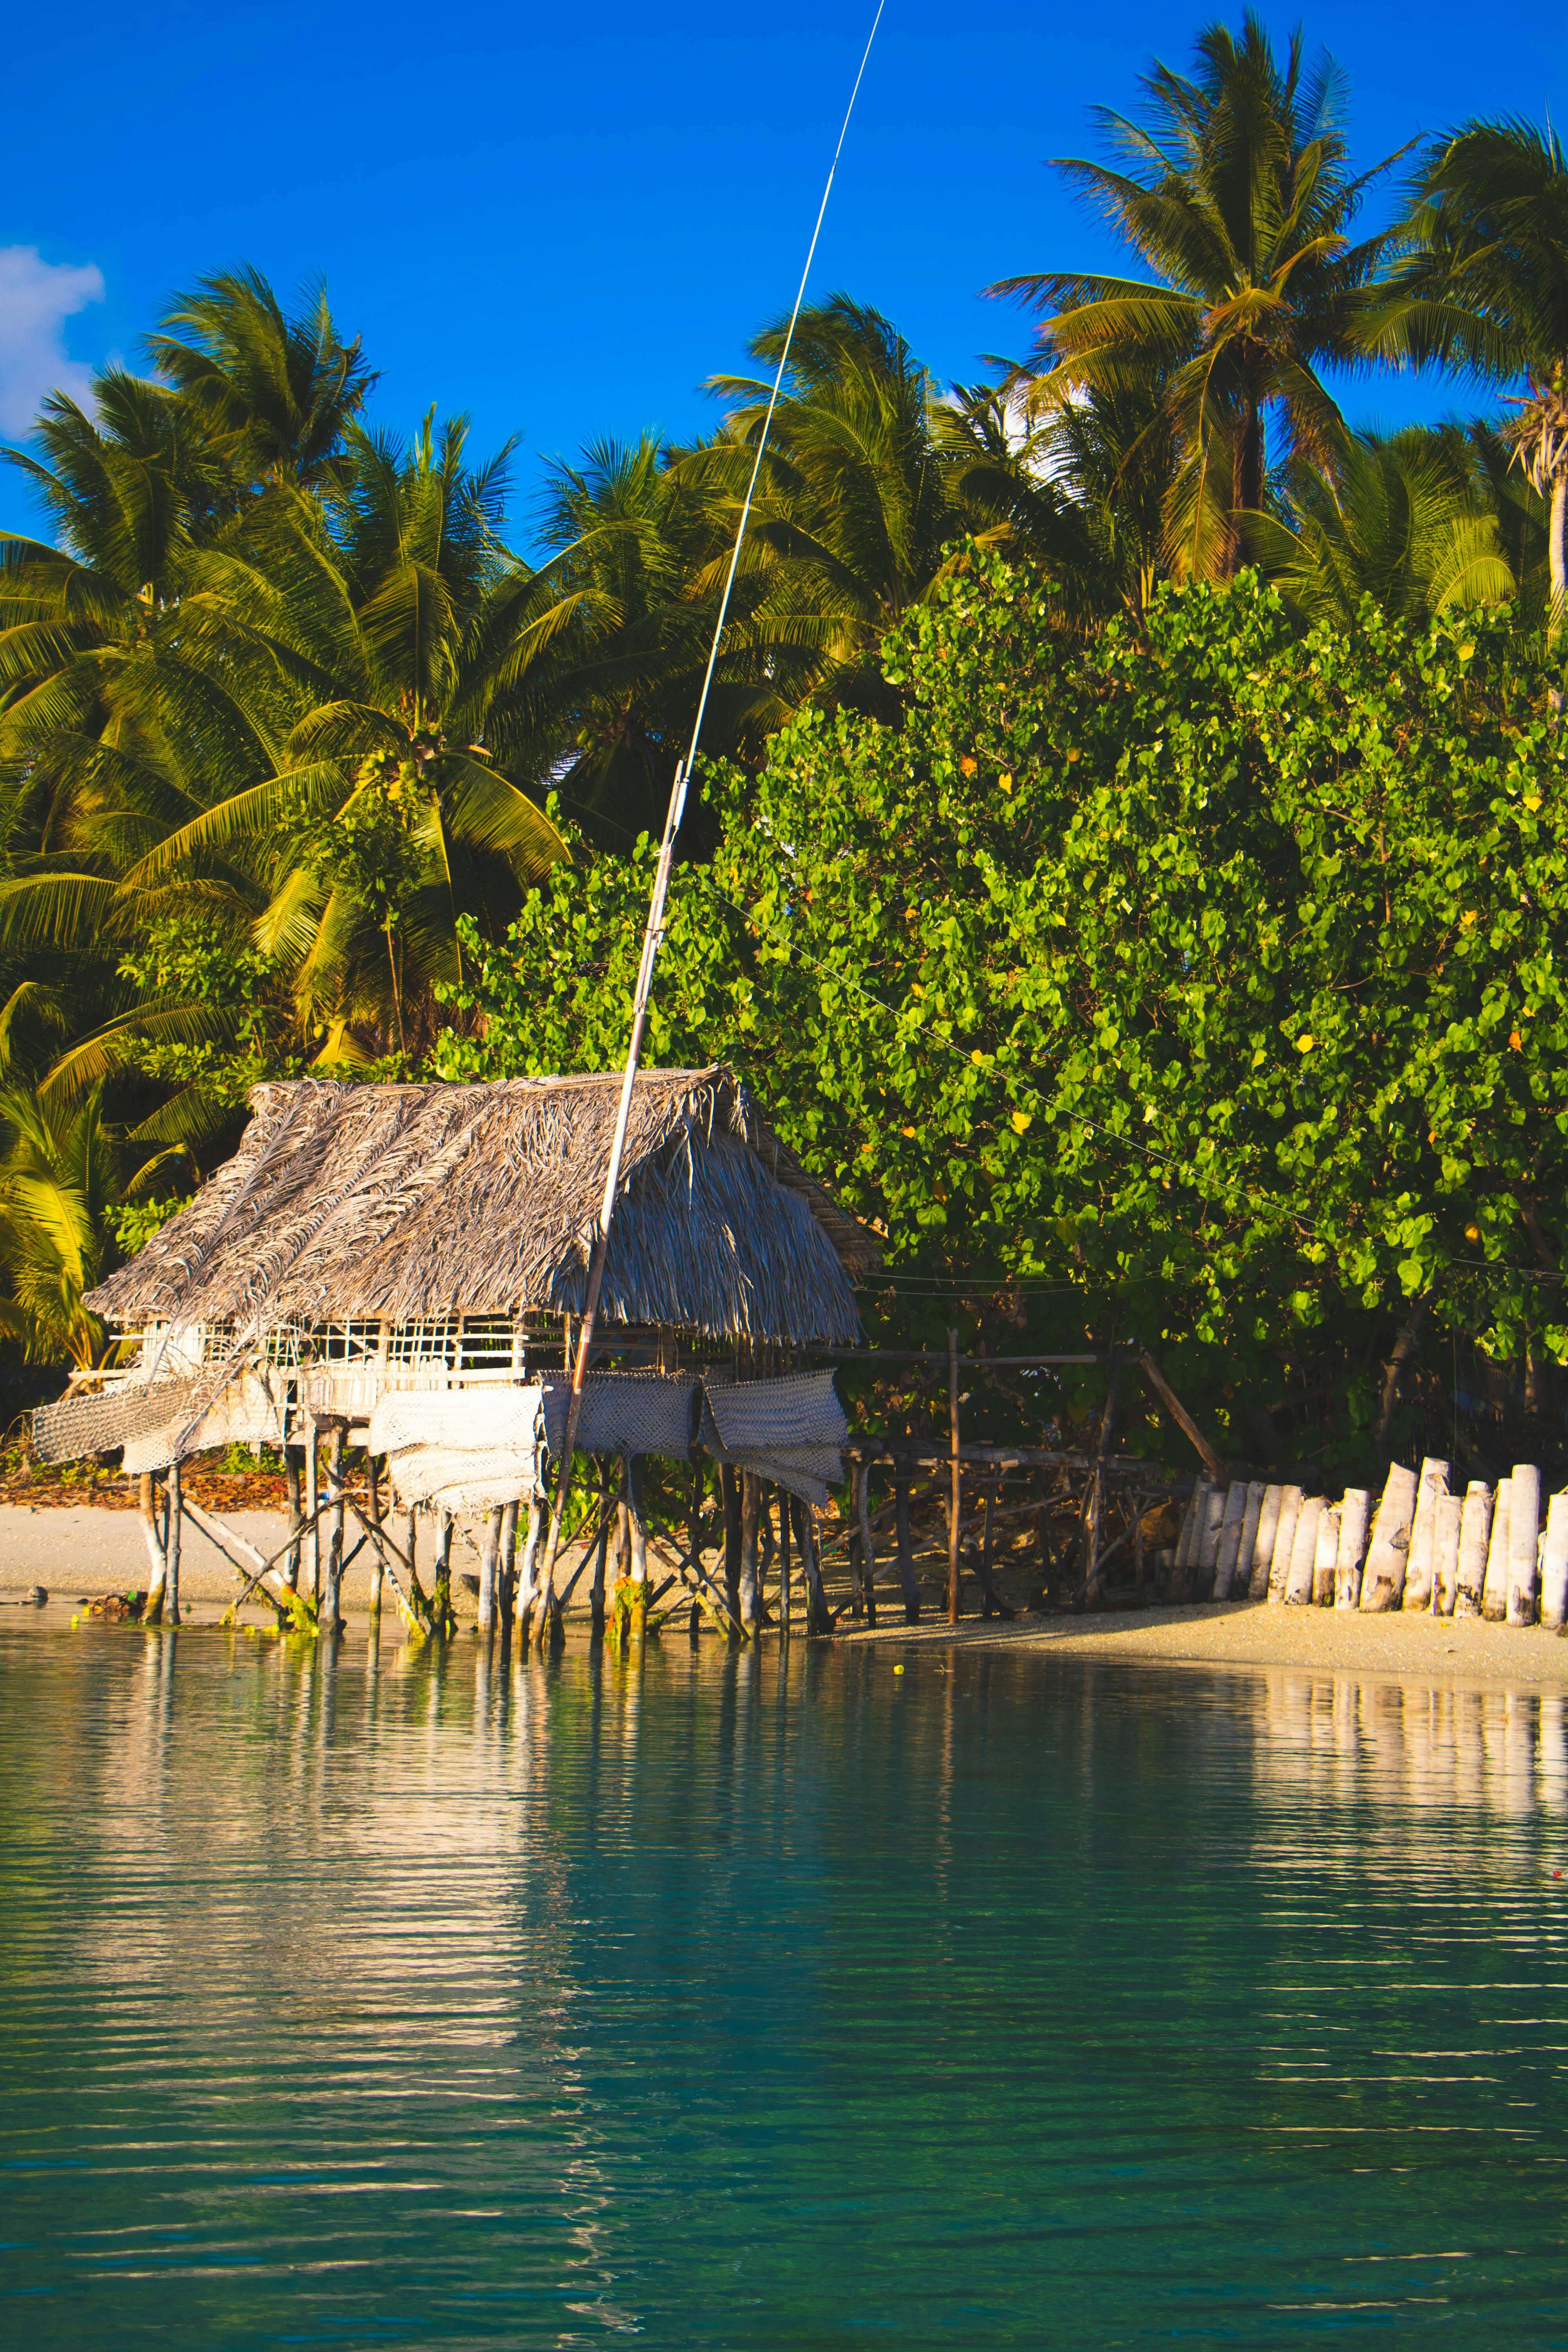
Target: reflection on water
[{"x": 412, "y": 1998}]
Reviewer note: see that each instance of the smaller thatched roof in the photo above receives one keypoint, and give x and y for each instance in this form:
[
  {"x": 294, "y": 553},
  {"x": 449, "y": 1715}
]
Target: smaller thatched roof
[{"x": 418, "y": 1202}]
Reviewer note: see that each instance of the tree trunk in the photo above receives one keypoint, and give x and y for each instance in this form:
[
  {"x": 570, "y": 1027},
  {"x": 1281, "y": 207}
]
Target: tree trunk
[
  {"x": 1404, "y": 1346},
  {"x": 907, "y": 1583},
  {"x": 1557, "y": 550}
]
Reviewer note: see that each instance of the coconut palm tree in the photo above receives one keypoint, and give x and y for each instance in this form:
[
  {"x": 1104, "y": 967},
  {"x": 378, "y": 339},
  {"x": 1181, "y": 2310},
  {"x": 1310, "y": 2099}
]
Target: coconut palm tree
[
  {"x": 1235, "y": 192},
  {"x": 371, "y": 635},
  {"x": 59, "y": 1186},
  {"x": 1407, "y": 523},
  {"x": 279, "y": 390},
  {"x": 1483, "y": 284}
]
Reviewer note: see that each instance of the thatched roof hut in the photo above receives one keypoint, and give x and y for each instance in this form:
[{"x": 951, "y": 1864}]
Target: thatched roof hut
[{"x": 414, "y": 1204}]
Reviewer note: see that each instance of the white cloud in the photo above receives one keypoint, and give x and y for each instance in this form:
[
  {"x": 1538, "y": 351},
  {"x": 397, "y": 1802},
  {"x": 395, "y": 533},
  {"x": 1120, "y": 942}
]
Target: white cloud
[{"x": 37, "y": 298}]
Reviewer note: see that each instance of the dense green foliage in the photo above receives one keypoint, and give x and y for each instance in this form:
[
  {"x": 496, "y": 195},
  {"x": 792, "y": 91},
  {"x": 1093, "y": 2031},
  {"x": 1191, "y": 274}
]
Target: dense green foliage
[{"x": 1205, "y": 981}]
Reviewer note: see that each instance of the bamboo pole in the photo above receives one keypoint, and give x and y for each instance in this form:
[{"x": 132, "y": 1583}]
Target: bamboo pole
[{"x": 956, "y": 1483}]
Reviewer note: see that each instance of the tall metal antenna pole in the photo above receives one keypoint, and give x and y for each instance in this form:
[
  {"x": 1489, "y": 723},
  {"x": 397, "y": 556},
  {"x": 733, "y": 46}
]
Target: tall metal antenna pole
[{"x": 653, "y": 933}]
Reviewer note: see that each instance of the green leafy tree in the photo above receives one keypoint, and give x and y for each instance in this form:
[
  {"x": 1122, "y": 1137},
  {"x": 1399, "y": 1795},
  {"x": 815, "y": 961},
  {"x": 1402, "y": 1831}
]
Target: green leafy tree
[
  {"x": 1235, "y": 192},
  {"x": 1201, "y": 980},
  {"x": 61, "y": 1191}
]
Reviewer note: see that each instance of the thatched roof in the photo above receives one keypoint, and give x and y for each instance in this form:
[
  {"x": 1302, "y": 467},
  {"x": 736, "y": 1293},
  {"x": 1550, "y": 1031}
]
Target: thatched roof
[{"x": 416, "y": 1202}]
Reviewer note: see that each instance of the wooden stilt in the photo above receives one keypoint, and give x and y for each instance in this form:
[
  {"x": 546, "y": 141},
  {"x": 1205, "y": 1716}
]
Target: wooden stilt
[
  {"x": 377, "y": 1567},
  {"x": 489, "y": 1547},
  {"x": 441, "y": 1618},
  {"x": 955, "y": 1484},
  {"x": 730, "y": 1482},
  {"x": 637, "y": 1525},
  {"x": 313, "y": 1509},
  {"x": 910, "y": 1588},
  {"x": 507, "y": 1591},
  {"x": 152, "y": 1610},
  {"x": 528, "y": 1570},
  {"x": 818, "y": 1617},
  {"x": 694, "y": 1539},
  {"x": 172, "y": 1549},
  {"x": 291, "y": 1475},
  {"x": 601, "y": 1554},
  {"x": 751, "y": 1500},
  {"x": 867, "y": 1546},
  {"x": 766, "y": 1547},
  {"x": 331, "y": 1606}
]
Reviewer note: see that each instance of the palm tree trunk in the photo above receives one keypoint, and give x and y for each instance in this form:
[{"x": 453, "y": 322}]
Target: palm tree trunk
[{"x": 1557, "y": 549}]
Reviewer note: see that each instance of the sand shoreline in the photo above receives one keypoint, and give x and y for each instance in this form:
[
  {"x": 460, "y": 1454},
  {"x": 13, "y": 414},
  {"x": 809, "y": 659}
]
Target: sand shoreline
[{"x": 79, "y": 1552}]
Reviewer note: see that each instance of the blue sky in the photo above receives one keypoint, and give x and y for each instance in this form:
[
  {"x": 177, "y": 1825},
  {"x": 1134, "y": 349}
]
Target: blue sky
[{"x": 561, "y": 222}]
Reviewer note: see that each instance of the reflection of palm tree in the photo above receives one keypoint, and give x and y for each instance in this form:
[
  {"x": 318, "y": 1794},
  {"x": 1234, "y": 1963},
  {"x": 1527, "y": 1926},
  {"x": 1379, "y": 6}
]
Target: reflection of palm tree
[
  {"x": 1235, "y": 193},
  {"x": 1484, "y": 284}
]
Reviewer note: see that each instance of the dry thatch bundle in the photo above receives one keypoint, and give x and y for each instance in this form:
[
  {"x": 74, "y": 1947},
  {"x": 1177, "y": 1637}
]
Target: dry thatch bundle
[{"x": 411, "y": 1203}]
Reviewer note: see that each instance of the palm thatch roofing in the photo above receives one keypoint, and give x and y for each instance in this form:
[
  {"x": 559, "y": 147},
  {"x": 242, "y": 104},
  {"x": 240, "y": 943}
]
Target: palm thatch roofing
[{"x": 414, "y": 1204}]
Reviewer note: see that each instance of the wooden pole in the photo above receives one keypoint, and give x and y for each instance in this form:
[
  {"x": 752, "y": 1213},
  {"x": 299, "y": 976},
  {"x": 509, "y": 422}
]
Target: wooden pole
[
  {"x": 171, "y": 1549},
  {"x": 637, "y": 1525},
  {"x": 783, "y": 1561},
  {"x": 730, "y": 1485},
  {"x": 313, "y": 1509},
  {"x": 907, "y": 1582},
  {"x": 508, "y": 1570},
  {"x": 525, "y": 1575},
  {"x": 751, "y": 1500},
  {"x": 152, "y": 1609},
  {"x": 377, "y": 1566},
  {"x": 1178, "y": 1414},
  {"x": 291, "y": 1475},
  {"x": 1523, "y": 1542},
  {"x": 817, "y": 1618},
  {"x": 601, "y": 1555},
  {"x": 489, "y": 1547},
  {"x": 441, "y": 1599},
  {"x": 1355, "y": 1509},
  {"x": 331, "y": 1611},
  {"x": 956, "y": 1483},
  {"x": 868, "y": 1548}
]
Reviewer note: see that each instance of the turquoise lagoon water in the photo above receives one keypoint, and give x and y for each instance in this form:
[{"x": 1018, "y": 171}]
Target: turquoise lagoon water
[{"x": 1012, "y": 1999}]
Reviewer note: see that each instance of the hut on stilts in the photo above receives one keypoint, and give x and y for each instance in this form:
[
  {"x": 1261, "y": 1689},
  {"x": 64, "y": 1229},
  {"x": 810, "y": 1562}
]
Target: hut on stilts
[{"x": 399, "y": 1268}]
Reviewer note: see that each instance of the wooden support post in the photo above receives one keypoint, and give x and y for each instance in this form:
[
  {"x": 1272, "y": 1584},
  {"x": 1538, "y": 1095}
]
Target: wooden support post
[
  {"x": 313, "y": 1509},
  {"x": 331, "y": 1608},
  {"x": 783, "y": 1561},
  {"x": 171, "y": 1549},
  {"x": 508, "y": 1571},
  {"x": 987, "y": 1595},
  {"x": 489, "y": 1549},
  {"x": 637, "y": 1525},
  {"x": 1180, "y": 1415},
  {"x": 526, "y": 1573},
  {"x": 601, "y": 1556},
  {"x": 956, "y": 1483},
  {"x": 868, "y": 1548},
  {"x": 766, "y": 1547},
  {"x": 441, "y": 1617},
  {"x": 908, "y": 1584},
  {"x": 750, "y": 1499},
  {"x": 377, "y": 1565},
  {"x": 152, "y": 1611},
  {"x": 1138, "y": 1550},
  {"x": 730, "y": 1482},
  {"x": 818, "y": 1617},
  {"x": 291, "y": 1475}
]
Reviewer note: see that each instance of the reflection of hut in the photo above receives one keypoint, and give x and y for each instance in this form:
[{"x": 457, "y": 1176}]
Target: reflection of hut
[{"x": 401, "y": 1266}]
